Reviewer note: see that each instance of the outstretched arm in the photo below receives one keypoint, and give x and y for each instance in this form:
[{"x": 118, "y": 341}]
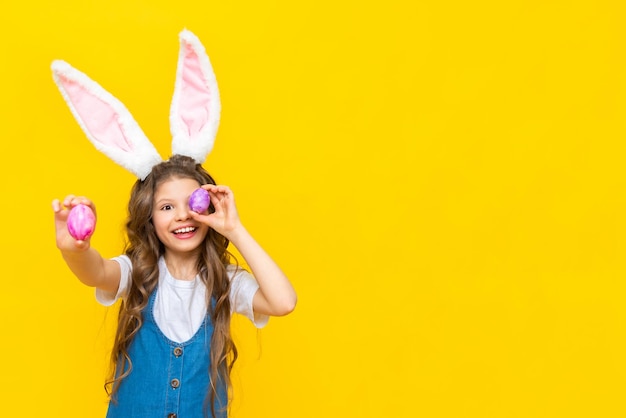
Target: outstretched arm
[
  {"x": 83, "y": 260},
  {"x": 276, "y": 296}
]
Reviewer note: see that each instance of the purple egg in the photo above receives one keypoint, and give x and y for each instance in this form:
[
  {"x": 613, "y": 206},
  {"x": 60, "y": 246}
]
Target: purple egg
[
  {"x": 199, "y": 200},
  {"x": 81, "y": 222}
]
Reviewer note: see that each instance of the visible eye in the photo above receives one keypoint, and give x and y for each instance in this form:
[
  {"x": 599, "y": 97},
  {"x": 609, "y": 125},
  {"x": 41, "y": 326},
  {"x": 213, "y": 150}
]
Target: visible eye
[{"x": 167, "y": 207}]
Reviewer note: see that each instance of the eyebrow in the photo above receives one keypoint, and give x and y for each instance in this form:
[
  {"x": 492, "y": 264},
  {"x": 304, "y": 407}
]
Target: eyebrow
[{"x": 164, "y": 200}]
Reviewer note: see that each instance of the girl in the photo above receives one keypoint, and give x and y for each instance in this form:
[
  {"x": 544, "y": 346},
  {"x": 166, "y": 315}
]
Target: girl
[
  {"x": 173, "y": 351},
  {"x": 178, "y": 288}
]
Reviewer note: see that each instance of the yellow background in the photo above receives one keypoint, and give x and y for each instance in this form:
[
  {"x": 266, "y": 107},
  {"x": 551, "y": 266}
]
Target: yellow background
[{"x": 443, "y": 181}]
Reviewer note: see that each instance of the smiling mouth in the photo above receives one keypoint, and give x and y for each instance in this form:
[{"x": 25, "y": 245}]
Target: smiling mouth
[{"x": 186, "y": 230}]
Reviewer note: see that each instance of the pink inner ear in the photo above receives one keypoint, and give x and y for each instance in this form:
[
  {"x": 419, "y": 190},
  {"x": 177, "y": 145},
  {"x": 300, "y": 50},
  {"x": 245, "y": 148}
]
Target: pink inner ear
[
  {"x": 195, "y": 96},
  {"x": 97, "y": 116}
]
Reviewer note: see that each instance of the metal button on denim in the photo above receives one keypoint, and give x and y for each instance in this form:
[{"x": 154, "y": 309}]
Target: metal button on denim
[
  {"x": 175, "y": 383},
  {"x": 178, "y": 351},
  {"x": 171, "y": 415}
]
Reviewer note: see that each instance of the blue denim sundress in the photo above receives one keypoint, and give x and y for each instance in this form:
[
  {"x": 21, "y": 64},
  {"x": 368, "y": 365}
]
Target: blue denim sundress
[{"x": 168, "y": 379}]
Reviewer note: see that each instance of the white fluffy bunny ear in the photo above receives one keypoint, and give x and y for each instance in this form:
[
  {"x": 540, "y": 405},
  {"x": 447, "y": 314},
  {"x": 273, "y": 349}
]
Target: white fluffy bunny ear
[
  {"x": 195, "y": 110},
  {"x": 106, "y": 121}
]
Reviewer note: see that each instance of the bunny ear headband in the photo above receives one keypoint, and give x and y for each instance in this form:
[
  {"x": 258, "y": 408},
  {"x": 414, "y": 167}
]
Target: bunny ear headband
[{"x": 194, "y": 113}]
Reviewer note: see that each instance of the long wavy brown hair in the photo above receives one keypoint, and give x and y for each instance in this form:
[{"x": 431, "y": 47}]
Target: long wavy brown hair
[{"x": 144, "y": 249}]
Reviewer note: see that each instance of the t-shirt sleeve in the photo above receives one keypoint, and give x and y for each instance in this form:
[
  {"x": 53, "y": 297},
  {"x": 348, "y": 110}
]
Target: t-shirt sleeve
[
  {"x": 243, "y": 287},
  {"x": 109, "y": 298}
]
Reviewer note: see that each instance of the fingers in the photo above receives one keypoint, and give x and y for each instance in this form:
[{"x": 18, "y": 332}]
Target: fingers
[
  {"x": 81, "y": 245},
  {"x": 218, "y": 189},
  {"x": 70, "y": 201},
  {"x": 200, "y": 217},
  {"x": 219, "y": 194}
]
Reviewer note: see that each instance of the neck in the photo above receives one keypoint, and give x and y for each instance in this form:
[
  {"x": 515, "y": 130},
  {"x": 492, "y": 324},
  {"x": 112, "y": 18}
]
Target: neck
[{"x": 182, "y": 266}]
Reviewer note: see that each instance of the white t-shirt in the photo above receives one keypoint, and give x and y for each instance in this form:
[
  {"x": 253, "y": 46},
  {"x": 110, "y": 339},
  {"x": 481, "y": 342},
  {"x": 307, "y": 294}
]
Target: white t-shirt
[{"x": 180, "y": 305}]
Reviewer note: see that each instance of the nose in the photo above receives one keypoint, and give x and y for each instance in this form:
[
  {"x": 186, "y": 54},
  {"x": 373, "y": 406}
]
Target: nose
[{"x": 182, "y": 213}]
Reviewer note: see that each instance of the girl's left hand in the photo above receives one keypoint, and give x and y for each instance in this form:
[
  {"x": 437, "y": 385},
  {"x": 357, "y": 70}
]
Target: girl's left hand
[{"x": 225, "y": 219}]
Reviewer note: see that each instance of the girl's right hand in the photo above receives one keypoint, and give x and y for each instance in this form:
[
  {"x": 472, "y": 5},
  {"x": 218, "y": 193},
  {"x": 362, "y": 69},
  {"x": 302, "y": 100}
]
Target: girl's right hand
[{"x": 65, "y": 242}]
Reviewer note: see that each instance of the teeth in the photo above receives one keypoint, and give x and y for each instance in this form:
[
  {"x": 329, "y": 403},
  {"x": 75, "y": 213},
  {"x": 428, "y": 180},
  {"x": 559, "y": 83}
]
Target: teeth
[{"x": 185, "y": 230}]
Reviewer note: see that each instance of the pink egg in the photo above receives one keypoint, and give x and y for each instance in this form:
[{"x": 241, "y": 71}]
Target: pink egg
[
  {"x": 81, "y": 222},
  {"x": 199, "y": 200}
]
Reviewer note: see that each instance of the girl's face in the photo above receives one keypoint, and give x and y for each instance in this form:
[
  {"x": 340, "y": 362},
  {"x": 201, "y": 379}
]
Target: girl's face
[{"x": 171, "y": 217}]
